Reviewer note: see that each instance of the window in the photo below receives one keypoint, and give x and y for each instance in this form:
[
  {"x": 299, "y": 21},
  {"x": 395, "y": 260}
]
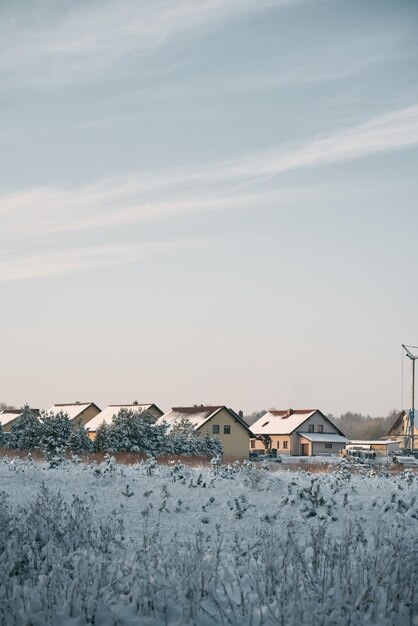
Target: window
[
  {"x": 285, "y": 445},
  {"x": 215, "y": 429},
  {"x": 311, "y": 428},
  {"x": 252, "y": 443},
  {"x": 328, "y": 445},
  {"x": 278, "y": 444},
  {"x": 227, "y": 429},
  {"x": 319, "y": 428}
]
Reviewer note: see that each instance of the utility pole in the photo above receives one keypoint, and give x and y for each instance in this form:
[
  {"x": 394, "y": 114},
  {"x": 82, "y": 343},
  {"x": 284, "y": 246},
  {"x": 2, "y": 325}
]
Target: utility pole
[{"x": 411, "y": 429}]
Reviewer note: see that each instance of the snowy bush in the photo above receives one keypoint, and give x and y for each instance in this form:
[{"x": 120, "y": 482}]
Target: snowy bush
[
  {"x": 203, "y": 547},
  {"x": 101, "y": 441},
  {"x": 79, "y": 441},
  {"x": 56, "y": 430},
  {"x": 136, "y": 431},
  {"x": 26, "y": 430},
  {"x": 183, "y": 439}
]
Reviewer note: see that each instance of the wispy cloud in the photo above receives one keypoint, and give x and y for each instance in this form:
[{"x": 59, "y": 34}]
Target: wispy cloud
[
  {"x": 164, "y": 194},
  {"x": 234, "y": 185},
  {"x": 34, "y": 265},
  {"x": 87, "y": 38},
  {"x": 392, "y": 131}
]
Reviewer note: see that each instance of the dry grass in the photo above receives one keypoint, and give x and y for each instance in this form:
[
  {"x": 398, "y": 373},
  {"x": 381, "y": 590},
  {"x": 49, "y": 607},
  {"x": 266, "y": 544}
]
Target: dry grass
[
  {"x": 124, "y": 458},
  {"x": 133, "y": 458}
]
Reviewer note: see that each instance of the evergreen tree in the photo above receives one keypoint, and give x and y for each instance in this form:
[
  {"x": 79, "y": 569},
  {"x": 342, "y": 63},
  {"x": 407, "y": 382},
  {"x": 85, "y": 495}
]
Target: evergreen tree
[
  {"x": 26, "y": 430},
  {"x": 211, "y": 446},
  {"x": 185, "y": 440},
  {"x": 135, "y": 431},
  {"x": 55, "y": 432},
  {"x": 79, "y": 440},
  {"x": 101, "y": 441}
]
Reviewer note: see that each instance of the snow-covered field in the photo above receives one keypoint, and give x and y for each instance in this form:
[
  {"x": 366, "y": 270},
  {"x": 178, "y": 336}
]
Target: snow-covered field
[{"x": 147, "y": 545}]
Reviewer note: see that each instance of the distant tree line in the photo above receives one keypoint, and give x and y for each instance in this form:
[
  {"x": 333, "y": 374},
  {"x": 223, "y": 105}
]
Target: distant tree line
[
  {"x": 130, "y": 431},
  {"x": 358, "y": 426},
  {"x": 353, "y": 425}
]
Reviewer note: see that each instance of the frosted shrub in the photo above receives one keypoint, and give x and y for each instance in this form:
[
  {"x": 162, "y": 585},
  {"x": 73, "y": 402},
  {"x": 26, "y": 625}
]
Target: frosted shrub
[
  {"x": 308, "y": 550},
  {"x": 136, "y": 431},
  {"x": 79, "y": 441},
  {"x": 42, "y": 548},
  {"x": 178, "y": 471},
  {"x": 26, "y": 430},
  {"x": 55, "y": 434}
]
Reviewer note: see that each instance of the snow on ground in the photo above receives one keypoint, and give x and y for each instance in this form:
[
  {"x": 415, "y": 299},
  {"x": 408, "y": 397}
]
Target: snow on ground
[{"x": 148, "y": 544}]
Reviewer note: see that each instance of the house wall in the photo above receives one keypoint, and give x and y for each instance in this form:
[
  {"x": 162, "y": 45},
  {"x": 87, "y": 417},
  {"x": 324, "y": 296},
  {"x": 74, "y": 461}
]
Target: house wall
[
  {"x": 7, "y": 428},
  {"x": 318, "y": 420},
  {"x": 155, "y": 411},
  {"x": 320, "y": 448},
  {"x": 316, "y": 447},
  {"x": 277, "y": 443},
  {"x": 298, "y": 441},
  {"x": 237, "y": 443},
  {"x": 400, "y": 433},
  {"x": 87, "y": 415}
]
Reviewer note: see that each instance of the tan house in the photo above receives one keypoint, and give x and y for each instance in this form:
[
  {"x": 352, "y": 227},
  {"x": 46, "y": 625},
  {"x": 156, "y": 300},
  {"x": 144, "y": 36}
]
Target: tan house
[
  {"x": 217, "y": 421},
  {"x": 301, "y": 432},
  {"x": 400, "y": 430},
  {"x": 79, "y": 412},
  {"x": 8, "y": 418},
  {"x": 106, "y": 416}
]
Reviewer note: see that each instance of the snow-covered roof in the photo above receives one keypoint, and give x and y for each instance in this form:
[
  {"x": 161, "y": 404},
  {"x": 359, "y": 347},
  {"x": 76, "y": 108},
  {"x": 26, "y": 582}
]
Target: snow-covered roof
[
  {"x": 73, "y": 410},
  {"x": 109, "y": 413},
  {"x": 371, "y": 442},
  {"x": 9, "y": 416},
  {"x": 323, "y": 437},
  {"x": 198, "y": 415},
  {"x": 281, "y": 422}
]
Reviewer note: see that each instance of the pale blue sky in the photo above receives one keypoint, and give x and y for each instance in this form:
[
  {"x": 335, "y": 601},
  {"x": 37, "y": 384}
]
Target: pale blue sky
[{"x": 208, "y": 202}]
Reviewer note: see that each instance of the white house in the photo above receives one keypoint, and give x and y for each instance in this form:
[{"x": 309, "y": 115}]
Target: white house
[
  {"x": 78, "y": 412},
  {"x": 300, "y": 432},
  {"x": 106, "y": 416}
]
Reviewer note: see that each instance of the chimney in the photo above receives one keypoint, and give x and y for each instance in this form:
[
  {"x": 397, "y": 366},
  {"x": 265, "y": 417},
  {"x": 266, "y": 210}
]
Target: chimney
[
  {"x": 135, "y": 402},
  {"x": 241, "y": 413},
  {"x": 289, "y": 412}
]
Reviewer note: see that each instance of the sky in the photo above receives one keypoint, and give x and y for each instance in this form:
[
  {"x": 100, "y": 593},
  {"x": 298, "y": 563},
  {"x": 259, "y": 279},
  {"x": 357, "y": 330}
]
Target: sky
[{"x": 209, "y": 202}]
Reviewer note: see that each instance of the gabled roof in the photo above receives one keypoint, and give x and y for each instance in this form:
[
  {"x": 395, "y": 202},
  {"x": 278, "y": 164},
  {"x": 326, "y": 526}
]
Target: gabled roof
[
  {"x": 398, "y": 423},
  {"x": 285, "y": 422},
  {"x": 199, "y": 415},
  {"x": 73, "y": 409},
  {"x": 323, "y": 437},
  {"x": 110, "y": 411},
  {"x": 9, "y": 415}
]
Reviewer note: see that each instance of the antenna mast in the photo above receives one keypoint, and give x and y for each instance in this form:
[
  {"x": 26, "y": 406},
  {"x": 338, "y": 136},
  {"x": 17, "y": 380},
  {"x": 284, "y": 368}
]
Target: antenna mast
[{"x": 410, "y": 431}]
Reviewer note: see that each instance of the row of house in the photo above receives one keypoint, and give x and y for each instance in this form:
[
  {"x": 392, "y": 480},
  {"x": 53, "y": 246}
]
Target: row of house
[{"x": 301, "y": 432}]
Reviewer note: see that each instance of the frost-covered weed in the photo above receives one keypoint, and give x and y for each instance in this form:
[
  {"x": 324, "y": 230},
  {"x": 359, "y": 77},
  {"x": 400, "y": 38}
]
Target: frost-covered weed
[{"x": 302, "y": 550}]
